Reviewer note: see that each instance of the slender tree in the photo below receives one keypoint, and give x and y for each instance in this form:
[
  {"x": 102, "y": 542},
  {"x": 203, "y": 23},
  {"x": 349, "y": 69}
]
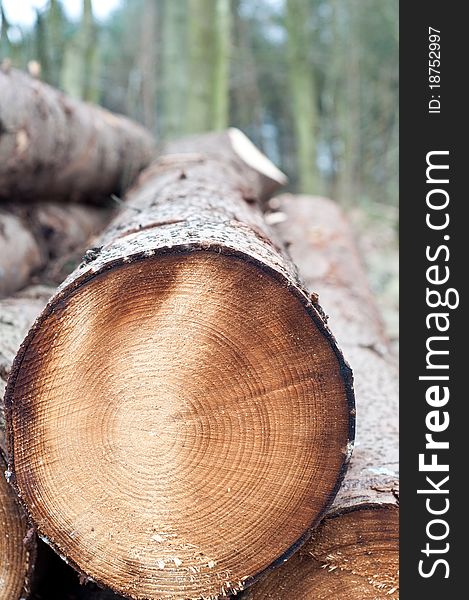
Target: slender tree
[
  {"x": 81, "y": 62},
  {"x": 174, "y": 68},
  {"x": 201, "y": 56},
  {"x": 55, "y": 25},
  {"x": 40, "y": 38},
  {"x": 303, "y": 94},
  {"x": 246, "y": 105},
  {"x": 348, "y": 101},
  {"x": 209, "y": 44},
  {"x": 147, "y": 63},
  {"x": 222, "y": 64}
]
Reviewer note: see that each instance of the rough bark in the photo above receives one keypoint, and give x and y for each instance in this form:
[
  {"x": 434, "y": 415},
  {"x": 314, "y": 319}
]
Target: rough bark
[
  {"x": 189, "y": 317},
  {"x": 20, "y": 254},
  {"x": 53, "y": 147},
  {"x": 34, "y": 236},
  {"x": 354, "y": 552},
  {"x": 260, "y": 177}
]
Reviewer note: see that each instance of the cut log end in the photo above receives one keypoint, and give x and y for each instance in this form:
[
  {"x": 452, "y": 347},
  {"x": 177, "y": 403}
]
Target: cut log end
[
  {"x": 199, "y": 409},
  {"x": 15, "y": 560},
  {"x": 352, "y": 555}
]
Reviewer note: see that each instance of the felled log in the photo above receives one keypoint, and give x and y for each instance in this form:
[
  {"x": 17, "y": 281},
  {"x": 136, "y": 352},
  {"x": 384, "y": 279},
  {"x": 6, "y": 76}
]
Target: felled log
[
  {"x": 16, "y": 556},
  {"x": 20, "y": 254},
  {"x": 27, "y": 564},
  {"x": 54, "y": 147},
  {"x": 180, "y": 415},
  {"x": 17, "y": 314},
  {"x": 34, "y": 235},
  {"x": 17, "y": 542},
  {"x": 354, "y": 552}
]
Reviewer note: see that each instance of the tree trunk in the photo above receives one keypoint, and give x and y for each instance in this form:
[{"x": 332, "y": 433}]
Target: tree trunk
[
  {"x": 55, "y": 26},
  {"x": 174, "y": 68},
  {"x": 209, "y": 30},
  {"x": 41, "y": 46},
  {"x": 34, "y": 235},
  {"x": 302, "y": 88},
  {"x": 201, "y": 410},
  {"x": 52, "y": 147},
  {"x": 348, "y": 100},
  {"x": 148, "y": 59},
  {"x": 247, "y": 106},
  {"x": 201, "y": 41},
  {"x": 354, "y": 552},
  {"x": 79, "y": 76},
  {"x": 221, "y": 74}
]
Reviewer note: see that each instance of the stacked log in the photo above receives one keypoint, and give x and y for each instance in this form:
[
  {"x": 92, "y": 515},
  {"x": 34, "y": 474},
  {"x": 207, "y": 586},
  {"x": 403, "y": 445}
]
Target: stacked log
[
  {"x": 354, "y": 553},
  {"x": 17, "y": 542},
  {"x": 17, "y": 314},
  {"x": 32, "y": 236},
  {"x": 53, "y": 151},
  {"x": 180, "y": 416},
  {"x": 54, "y": 148}
]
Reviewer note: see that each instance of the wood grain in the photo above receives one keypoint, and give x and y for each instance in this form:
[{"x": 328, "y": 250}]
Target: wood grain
[
  {"x": 354, "y": 552},
  {"x": 16, "y": 556},
  {"x": 180, "y": 415}
]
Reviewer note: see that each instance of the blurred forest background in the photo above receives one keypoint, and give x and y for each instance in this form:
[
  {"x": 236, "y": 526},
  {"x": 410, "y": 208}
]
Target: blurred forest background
[{"x": 314, "y": 83}]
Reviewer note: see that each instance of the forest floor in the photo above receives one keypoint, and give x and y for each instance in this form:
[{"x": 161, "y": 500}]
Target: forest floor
[{"x": 376, "y": 229}]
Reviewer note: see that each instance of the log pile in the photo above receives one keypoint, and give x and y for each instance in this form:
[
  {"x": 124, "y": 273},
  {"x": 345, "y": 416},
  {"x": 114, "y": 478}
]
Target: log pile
[
  {"x": 179, "y": 417},
  {"x": 354, "y": 552},
  {"x": 43, "y": 234},
  {"x": 60, "y": 160},
  {"x": 53, "y": 147},
  {"x": 191, "y": 401}
]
